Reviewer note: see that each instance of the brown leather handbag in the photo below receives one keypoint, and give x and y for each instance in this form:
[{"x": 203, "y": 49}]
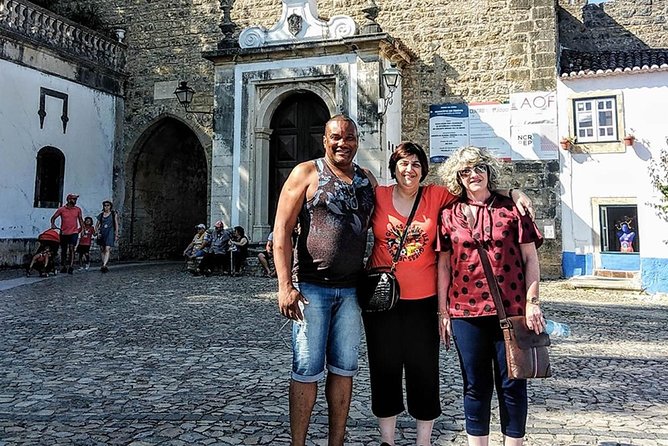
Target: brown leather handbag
[{"x": 526, "y": 351}]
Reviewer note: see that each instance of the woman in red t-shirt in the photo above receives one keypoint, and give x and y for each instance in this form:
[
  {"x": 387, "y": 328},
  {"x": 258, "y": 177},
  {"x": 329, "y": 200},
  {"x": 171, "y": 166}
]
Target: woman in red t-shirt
[
  {"x": 466, "y": 306},
  {"x": 406, "y": 337}
]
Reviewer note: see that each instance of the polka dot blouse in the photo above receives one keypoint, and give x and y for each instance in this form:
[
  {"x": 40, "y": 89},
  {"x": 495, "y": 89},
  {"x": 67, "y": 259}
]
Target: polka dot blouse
[{"x": 501, "y": 229}]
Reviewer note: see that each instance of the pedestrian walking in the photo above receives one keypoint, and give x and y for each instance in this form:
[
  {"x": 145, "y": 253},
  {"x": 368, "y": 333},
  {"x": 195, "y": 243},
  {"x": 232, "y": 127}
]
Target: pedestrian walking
[
  {"x": 107, "y": 229},
  {"x": 331, "y": 198},
  {"x": 85, "y": 241},
  {"x": 71, "y": 222}
]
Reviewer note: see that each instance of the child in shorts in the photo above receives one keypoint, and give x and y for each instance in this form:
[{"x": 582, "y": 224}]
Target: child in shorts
[{"x": 85, "y": 241}]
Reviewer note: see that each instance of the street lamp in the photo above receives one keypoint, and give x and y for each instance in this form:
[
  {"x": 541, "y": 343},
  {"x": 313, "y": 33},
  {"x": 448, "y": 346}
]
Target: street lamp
[
  {"x": 391, "y": 79},
  {"x": 184, "y": 94}
]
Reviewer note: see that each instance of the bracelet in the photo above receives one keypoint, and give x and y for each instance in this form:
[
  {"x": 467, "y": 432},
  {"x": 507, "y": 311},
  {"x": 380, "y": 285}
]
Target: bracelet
[
  {"x": 534, "y": 300},
  {"x": 510, "y": 192}
]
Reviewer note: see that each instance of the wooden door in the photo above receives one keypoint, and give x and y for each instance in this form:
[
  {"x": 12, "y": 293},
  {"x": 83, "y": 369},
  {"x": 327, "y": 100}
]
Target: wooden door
[{"x": 299, "y": 125}]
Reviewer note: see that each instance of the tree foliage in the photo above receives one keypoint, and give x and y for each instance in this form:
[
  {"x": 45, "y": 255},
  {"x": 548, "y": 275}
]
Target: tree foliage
[
  {"x": 658, "y": 174},
  {"x": 78, "y": 11}
]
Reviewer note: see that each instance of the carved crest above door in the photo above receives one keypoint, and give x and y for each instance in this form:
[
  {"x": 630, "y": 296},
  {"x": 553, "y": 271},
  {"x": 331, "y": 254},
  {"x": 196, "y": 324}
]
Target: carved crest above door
[{"x": 298, "y": 23}]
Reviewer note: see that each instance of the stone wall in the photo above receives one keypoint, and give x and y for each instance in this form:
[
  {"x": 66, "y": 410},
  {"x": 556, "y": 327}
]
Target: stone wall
[
  {"x": 613, "y": 25},
  {"x": 467, "y": 50}
]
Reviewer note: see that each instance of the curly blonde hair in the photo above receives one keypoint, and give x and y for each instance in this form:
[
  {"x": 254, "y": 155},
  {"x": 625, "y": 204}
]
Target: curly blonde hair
[{"x": 469, "y": 157}]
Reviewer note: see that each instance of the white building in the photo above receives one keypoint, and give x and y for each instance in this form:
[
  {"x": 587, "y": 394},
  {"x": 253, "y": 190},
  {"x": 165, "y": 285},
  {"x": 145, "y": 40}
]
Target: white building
[
  {"x": 59, "y": 123},
  {"x": 603, "y": 98}
]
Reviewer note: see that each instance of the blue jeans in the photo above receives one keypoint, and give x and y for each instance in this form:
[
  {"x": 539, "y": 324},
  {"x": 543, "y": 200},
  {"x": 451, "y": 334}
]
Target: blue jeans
[
  {"x": 482, "y": 357},
  {"x": 330, "y": 332}
]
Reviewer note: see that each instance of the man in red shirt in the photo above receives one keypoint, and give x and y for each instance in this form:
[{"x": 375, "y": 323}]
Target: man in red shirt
[{"x": 71, "y": 223}]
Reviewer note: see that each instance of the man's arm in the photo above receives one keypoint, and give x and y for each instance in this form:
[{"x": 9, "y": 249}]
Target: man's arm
[
  {"x": 290, "y": 203},
  {"x": 53, "y": 218},
  {"x": 80, "y": 219}
]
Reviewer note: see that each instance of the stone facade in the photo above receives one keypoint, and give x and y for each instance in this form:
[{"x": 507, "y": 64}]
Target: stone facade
[
  {"x": 462, "y": 51},
  {"x": 479, "y": 50},
  {"x": 613, "y": 25},
  {"x": 63, "y": 88}
]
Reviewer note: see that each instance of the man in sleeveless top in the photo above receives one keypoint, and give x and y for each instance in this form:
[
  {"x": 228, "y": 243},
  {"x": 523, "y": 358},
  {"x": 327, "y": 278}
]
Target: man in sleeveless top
[{"x": 330, "y": 200}]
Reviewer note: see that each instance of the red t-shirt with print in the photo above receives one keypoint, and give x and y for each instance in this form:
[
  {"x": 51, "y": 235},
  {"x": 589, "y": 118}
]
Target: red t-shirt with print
[
  {"x": 86, "y": 236},
  {"x": 502, "y": 229},
  {"x": 416, "y": 270}
]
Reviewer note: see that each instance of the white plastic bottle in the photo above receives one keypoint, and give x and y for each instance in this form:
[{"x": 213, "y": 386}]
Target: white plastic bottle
[{"x": 557, "y": 329}]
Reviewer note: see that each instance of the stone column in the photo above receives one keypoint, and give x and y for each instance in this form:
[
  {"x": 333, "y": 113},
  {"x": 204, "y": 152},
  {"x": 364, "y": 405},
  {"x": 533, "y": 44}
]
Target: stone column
[
  {"x": 370, "y": 153},
  {"x": 260, "y": 211},
  {"x": 222, "y": 162}
]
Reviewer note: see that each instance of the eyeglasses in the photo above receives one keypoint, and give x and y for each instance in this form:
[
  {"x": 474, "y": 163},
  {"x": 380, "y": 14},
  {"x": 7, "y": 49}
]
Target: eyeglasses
[{"x": 479, "y": 169}]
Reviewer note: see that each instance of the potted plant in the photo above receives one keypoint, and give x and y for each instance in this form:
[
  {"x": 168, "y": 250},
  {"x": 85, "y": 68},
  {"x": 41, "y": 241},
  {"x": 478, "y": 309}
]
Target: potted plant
[
  {"x": 629, "y": 139},
  {"x": 567, "y": 142}
]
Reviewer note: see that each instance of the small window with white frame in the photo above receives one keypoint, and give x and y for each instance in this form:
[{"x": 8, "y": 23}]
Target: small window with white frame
[{"x": 596, "y": 119}]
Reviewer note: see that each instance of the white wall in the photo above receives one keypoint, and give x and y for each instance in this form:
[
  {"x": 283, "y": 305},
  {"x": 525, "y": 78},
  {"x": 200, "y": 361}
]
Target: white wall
[
  {"x": 583, "y": 176},
  {"x": 87, "y": 145}
]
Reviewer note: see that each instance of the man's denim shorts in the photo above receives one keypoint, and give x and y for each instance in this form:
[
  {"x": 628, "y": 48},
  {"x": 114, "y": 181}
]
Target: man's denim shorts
[{"x": 331, "y": 330}]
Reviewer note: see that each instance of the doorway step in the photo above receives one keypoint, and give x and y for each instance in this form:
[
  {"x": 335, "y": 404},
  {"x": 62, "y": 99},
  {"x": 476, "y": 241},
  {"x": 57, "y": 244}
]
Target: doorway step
[{"x": 608, "y": 279}]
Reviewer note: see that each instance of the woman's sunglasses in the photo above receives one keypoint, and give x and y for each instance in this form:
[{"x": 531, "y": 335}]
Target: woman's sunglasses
[{"x": 466, "y": 172}]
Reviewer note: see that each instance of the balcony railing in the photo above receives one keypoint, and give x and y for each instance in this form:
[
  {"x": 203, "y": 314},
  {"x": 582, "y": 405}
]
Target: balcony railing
[{"x": 23, "y": 19}]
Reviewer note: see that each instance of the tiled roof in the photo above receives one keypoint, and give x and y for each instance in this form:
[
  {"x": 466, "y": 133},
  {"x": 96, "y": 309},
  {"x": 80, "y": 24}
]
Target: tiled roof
[{"x": 600, "y": 63}]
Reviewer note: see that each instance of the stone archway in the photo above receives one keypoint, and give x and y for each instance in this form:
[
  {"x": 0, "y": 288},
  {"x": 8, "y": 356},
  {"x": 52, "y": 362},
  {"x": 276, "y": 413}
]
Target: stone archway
[
  {"x": 298, "y": 125},
  {"x": 166, "y": 194}
]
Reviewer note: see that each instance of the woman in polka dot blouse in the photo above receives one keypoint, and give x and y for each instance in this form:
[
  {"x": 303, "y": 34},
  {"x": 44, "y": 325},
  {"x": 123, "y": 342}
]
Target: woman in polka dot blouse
[{"x": 466, "y": 306}]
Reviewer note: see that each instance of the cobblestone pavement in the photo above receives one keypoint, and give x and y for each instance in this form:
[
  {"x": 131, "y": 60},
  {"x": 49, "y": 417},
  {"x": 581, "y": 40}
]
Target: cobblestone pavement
[{"x": 151, "y": 355}]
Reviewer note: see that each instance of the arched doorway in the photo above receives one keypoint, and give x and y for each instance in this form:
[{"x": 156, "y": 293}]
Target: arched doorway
[
  {"x": 167, "y": 194},
  {"x": 298, "y": 125}
]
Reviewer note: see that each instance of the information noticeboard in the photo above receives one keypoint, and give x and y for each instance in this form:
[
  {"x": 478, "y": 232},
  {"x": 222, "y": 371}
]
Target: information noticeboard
[{"x": 524, "y": 129}]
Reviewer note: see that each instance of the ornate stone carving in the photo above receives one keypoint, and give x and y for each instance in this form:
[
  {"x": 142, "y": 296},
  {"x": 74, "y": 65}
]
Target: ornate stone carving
[
  {"x": 227, "y": 26},
  {"x": 294, "y": 24},
  {"x": 37, "y": 24},
  {"x": 371, "y": 11},
  {"x": 251, "y": 38},
  {"x": 298, "y": 23}
]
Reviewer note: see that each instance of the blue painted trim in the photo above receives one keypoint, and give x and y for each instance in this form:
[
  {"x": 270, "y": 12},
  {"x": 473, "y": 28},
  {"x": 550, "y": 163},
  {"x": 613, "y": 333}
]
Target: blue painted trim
[
  {"x": 654, "y": 274},
  {"x": 573, "y": 264},
  {"x": 620, "y": 261}
]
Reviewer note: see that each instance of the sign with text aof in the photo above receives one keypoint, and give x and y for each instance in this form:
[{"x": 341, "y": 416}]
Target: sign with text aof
[{"x": 524, "y": 129}]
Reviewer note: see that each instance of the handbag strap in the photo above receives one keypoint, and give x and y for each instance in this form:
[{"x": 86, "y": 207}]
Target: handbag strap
[
  {"x": 409, "y": 220},
  {"x": 487, "y": 268}
]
